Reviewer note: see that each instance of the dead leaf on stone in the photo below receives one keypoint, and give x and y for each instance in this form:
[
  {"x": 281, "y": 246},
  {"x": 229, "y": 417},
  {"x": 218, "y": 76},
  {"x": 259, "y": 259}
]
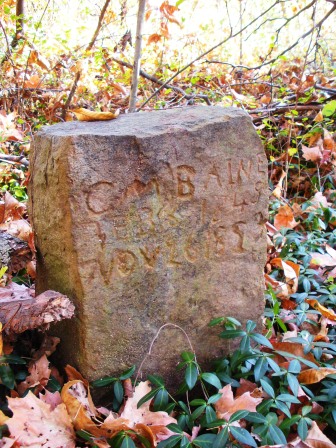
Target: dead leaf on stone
[
  {"x": 285, "y": 218},
  {"x": 34, "y": 423},
  {"x": 228, "y": 405},
  {"x": 90, "y": 115},
  {"x": 312, "y": 376}
]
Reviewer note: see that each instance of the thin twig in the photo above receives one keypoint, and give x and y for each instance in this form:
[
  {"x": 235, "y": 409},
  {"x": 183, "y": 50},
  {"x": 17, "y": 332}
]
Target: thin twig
[
  {"x": 137, "y": 56},
  {"x": 100, "y": 22},
  {"x": 271, "y": 61},
  {"x": 155, "y": 338},
  {"x": 206, "y": 53},
  {"x": 167, "y": 86},
  {"x": 15, "y": 159},
  {"x": 88, "y": 48}
]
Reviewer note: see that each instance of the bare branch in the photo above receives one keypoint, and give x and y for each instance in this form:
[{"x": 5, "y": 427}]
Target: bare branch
[
  {"x": 207, "y": 52},
  {"x": 100, "y": 22},
  {"x": 167, "y": 86},
  {"x": 88, "y": 48},
  {"x": 319, "y": 24}
]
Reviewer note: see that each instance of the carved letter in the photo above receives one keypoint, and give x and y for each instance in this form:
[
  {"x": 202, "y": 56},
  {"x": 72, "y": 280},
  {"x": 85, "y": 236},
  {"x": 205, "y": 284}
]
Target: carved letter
[
  {"x": 125, "y": 261},
  {"x": 149, "y": 257},
  {"x": 172, "y": 261},
  {"x": 100, "y": 197},
  {"x": 190, "y": 250},
  {"x": 106, "y": 263},
  {"x": 213, "y": 174},
  {"x": 185, "y": 187}
]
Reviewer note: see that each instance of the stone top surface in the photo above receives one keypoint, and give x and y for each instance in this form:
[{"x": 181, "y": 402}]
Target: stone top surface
[{"x": 146, "y": 123}]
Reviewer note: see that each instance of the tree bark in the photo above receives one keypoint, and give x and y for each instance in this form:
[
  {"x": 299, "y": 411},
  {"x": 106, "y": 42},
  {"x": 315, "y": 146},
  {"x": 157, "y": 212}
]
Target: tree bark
[{"x": 137, "y": 56}]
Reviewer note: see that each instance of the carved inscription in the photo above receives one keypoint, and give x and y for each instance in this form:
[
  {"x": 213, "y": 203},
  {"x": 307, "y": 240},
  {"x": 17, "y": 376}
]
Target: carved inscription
[{"x": 194, "y": 218}]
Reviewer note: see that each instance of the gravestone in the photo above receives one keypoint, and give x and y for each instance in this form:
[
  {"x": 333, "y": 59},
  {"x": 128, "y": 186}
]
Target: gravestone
[{"x": 153, "y": 218}]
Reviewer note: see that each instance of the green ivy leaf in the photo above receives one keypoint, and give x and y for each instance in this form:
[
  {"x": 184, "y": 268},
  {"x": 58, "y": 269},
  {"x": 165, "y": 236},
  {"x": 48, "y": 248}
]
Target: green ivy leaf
[
  {"x": 191, "y": 375},
  {"x": 205, "y": 440},
  {"x": 127, "y": 443},
  {"x": 147, "y": 397},
  {"x": 127, "y": 374},
  {"x": 212, "y": 379},
  {"x": 102, "y": 382},
  {"x": 7, "y": 376},
  {"x": 302, "y": 429},
  {"x": 242, "y": 435},
  {"x": 329, "y": 109},
  {"x": 118, "y": 391}
]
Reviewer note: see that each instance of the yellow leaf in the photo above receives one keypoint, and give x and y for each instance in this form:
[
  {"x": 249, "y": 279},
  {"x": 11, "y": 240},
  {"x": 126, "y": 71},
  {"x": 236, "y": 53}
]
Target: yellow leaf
[
  {"x": 279, "y": 187},
  {"x": 312, "y": 376},
  {"x": 285, "y": 218},
  {"x": 154, "y": 38},
  {"x": 90, "y": 115},
  {"x": 319, "y": 117},
  {"x": 3, "y": 418},
  {"x": 326, "y": 312}
]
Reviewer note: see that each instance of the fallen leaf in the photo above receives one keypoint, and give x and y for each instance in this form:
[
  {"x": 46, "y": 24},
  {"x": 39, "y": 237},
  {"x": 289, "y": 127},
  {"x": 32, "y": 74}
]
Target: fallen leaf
[
  {"x": 317, "y": 202},
  {"x": 39, "y": 375},
  {"x": 319, "y": 117},
  {"x": 19, "y": 228},
  {"x": 73, "y": 374},
  {"x": 328, "y": 141},
  {"x": 285, "y": 218},
  {"x": 35, "y": 424},
  {"x": 312, "y": 376},
  {"x": 33, "y": 82},
  {"x": 13, "y": 208},
  {"x": 51, "y": 398},
  {"x": 90, "y": 115},
  {"x": 22, "y": 311},
  {"x": 293, "y": 350},
  {"x": 5, "y": 442},
  {"x": 154, "y": 38},
  {"x": 291, "y": 272},
  {"x": 316, "y": 438},
  {"x": 279, "y": 187},
  {"x": 313, "y": 154},
  {"x": 326, "y": 312},
  {"x": 228, "y": 405}
]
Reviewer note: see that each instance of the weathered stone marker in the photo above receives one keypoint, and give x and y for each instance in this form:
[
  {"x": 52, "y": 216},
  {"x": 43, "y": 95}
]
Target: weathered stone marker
[{"x": 152, "y": 218}]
